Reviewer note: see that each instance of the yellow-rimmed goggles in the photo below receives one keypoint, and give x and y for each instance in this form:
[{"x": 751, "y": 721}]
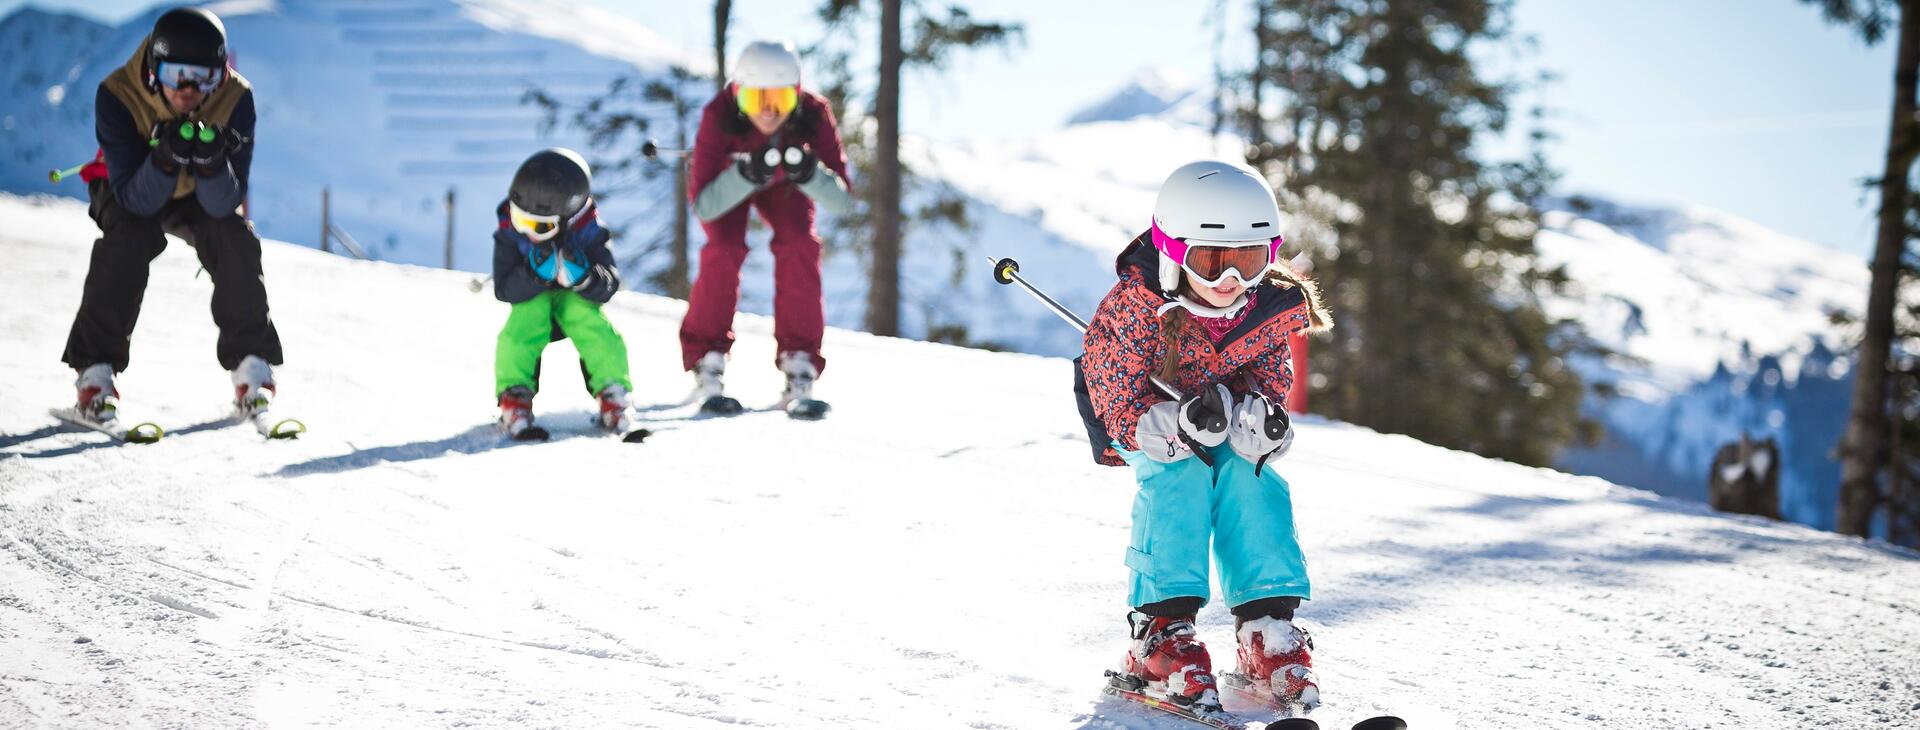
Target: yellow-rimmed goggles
[
  {"x": 536, "y": 227},
  {"x": 753, "y": 99}
]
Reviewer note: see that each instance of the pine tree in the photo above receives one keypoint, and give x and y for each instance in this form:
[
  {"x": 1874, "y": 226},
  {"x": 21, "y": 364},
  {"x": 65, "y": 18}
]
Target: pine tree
[
  {"x": 1864, "y": 448},
  {"x": 932, "y": 43},
  {"x": 1425, "y": 250}
]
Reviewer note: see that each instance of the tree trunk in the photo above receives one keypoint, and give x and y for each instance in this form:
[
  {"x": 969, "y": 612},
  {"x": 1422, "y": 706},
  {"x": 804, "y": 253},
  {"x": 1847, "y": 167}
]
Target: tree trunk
[
  {"x": 1256, "y": 125},
  {"x": 722, "y": 16},
  {"x": 1867, "y": 423},
  {"x": 883, "y": 296}
]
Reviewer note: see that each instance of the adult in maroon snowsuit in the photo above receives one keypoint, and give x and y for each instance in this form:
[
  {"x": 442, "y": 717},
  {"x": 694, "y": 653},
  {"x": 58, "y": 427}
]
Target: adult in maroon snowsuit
[{"x": 779, "y": 163}]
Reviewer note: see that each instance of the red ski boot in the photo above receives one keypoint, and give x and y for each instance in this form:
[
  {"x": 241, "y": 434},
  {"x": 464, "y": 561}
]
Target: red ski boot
[
  {"x": 613, "y": 409},
  {"x": 1169, "y": 659},
  {"x": 516, "y": 414},
  {"x": 1276, "y": 665},
  {"x": 98, "y": 400}
]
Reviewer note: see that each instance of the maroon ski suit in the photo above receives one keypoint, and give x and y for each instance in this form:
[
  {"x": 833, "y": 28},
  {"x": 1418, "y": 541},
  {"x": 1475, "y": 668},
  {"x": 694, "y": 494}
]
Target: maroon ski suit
[{"x": 798, "y": 317}]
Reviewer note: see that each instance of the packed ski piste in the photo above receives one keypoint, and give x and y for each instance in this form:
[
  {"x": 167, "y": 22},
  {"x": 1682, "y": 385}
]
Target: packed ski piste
[{"x": 1186, "y": 369}]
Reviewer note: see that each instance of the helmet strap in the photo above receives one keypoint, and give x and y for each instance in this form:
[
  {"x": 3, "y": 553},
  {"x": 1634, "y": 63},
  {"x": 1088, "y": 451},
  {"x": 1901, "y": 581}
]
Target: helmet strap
[{"x": 1201, "y": 309}]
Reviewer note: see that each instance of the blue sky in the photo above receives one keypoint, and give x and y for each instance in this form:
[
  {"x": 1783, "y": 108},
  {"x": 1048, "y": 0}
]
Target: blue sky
[{"x": 1755, "y": 107}]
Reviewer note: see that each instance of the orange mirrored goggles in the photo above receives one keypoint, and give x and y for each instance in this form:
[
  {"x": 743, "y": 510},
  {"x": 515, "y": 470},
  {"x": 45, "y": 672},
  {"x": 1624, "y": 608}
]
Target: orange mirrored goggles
[
  {"x": 1212, "y": 262},
  {"x": 753, "y": 99}
]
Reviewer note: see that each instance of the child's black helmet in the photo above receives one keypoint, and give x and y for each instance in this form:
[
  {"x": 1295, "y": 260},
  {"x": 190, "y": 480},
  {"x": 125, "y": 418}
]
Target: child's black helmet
[{"x": 554, "y": 181}]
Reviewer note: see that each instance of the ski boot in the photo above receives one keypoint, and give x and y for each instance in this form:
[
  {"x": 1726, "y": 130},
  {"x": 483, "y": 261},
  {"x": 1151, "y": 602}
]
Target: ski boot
[
  {"x": 516, "y": 415},
  {"x": 97, "y": 407},
  {"x": 613, "y": 409},
  {"x": 708, "y": 375},
  {"x": 1276, "y": 665},
  {"x": 253, "y": 388},
  {"x": 98, "y": 400},
  {"x": 1167, "y": 662},
  {"x": 797, "y": 400}
]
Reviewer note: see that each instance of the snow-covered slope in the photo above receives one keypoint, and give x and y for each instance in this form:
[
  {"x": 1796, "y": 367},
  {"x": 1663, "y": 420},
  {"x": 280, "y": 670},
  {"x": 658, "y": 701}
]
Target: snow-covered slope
[{"x": 939, "y": 553}]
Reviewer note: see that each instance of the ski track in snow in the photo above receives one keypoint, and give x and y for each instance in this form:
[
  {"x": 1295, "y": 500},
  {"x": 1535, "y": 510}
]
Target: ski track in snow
[{"x": 937, "y": 553}]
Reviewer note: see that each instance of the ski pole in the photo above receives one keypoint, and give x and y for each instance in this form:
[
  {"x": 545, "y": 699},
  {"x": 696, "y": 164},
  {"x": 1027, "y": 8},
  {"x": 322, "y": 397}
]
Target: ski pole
[
  {"x": 477, "y": 284},
  {"x": 1007, "y": 271},
  {"x": 55, "y": 176},
  {"x": 652, "y": 150}
]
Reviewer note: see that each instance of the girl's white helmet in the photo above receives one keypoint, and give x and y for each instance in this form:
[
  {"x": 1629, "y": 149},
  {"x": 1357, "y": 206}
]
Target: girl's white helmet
[
  {"x": 1211, "y": 200},
  {"x": 767, "y": 64}
]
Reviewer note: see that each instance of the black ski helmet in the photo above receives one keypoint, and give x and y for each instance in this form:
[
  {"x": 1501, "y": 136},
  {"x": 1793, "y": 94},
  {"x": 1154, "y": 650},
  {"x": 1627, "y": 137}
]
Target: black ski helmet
[
  {"x": 554, "y": 181},
  {"x": 187, "y": 35}
]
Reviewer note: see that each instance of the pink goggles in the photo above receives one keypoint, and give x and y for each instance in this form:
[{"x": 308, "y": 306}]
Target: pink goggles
[{"x": 1212, "y": 261}]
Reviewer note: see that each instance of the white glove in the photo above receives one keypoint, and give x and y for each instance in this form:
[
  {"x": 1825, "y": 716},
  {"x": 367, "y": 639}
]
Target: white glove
[{"x": 1260, "y": 430}]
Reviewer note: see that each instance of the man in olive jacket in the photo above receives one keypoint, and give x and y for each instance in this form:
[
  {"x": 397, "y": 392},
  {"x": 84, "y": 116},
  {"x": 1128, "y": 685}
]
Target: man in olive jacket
[{"x": 175, "y": 126}]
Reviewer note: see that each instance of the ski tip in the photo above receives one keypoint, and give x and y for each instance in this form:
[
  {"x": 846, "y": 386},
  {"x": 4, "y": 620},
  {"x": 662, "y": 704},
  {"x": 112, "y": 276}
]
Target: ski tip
[
  {"x": 721, "y": 405},
  {"x": 808, "y": 410},
  {"x": 1293, "y": 723},
  {"x": 531, "y": 433},
  {"x": 144, "y": 433},
  {"x": 1383, "y": 722},
  {"x": 637, "y": 435},
  {"x": 289, "y": 428}
]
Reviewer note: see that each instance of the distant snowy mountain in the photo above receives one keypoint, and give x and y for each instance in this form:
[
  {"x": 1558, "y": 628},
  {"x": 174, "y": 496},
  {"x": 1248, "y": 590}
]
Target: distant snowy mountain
[{"x": 1151, "y": 92}]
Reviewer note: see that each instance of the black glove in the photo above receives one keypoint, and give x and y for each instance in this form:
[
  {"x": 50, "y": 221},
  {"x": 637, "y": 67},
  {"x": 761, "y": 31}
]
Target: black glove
[
  {"x": 210, "y": 147},
  {"x": 1204, "y": 417},
  {"x": 799, "y": 163},
  {"x": 172, "y": 143},
  {"x": 758, "y": 166},
  {"x": 1260, "y": 430}
]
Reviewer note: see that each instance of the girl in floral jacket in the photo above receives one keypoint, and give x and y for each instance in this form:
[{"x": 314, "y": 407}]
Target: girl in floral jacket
[{"x": 1203, "y": 306}]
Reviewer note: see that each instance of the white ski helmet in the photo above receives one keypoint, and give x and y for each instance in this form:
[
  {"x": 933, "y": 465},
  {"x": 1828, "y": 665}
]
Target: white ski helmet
[
  {"x": 1211, "y": 200},
  {"x": 767, "y": 64}
]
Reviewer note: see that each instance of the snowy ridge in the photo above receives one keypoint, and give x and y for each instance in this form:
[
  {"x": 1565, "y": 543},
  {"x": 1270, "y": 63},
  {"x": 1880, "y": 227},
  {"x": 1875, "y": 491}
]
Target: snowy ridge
[{"x": 889, "y": 567}]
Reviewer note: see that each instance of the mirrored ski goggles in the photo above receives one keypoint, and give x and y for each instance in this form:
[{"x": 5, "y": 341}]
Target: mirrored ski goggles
[
  {"x": 1212, "y": 261},
  {"x": 536, "y": 227},
  {"x": 183, "y": 75},
  {"x": 753, "y": 99}
]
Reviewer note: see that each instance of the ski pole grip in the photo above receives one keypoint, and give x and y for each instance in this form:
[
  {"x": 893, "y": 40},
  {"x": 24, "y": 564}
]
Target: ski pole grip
[{"x": 55, "y": 176}]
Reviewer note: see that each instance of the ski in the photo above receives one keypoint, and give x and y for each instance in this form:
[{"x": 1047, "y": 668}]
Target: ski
[
  {"x": 1239, "y": 687},
  {"x": 1128, "y": 688},
  {"x": 528, "y": 432},
  {"x": 721, "y": 405},
  {"x": 272, "y": 427},
  {"x": 1383, "y": 722},
  {"x": 133, "y": 433},
  {"x": 807, "y": 409}
]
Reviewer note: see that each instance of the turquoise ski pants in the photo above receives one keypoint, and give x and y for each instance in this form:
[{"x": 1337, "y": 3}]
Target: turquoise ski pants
[{"x": 1249, "y": 520}]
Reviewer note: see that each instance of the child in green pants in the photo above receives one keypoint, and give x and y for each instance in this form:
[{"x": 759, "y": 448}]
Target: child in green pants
[{"x": 551, "y": 262}]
